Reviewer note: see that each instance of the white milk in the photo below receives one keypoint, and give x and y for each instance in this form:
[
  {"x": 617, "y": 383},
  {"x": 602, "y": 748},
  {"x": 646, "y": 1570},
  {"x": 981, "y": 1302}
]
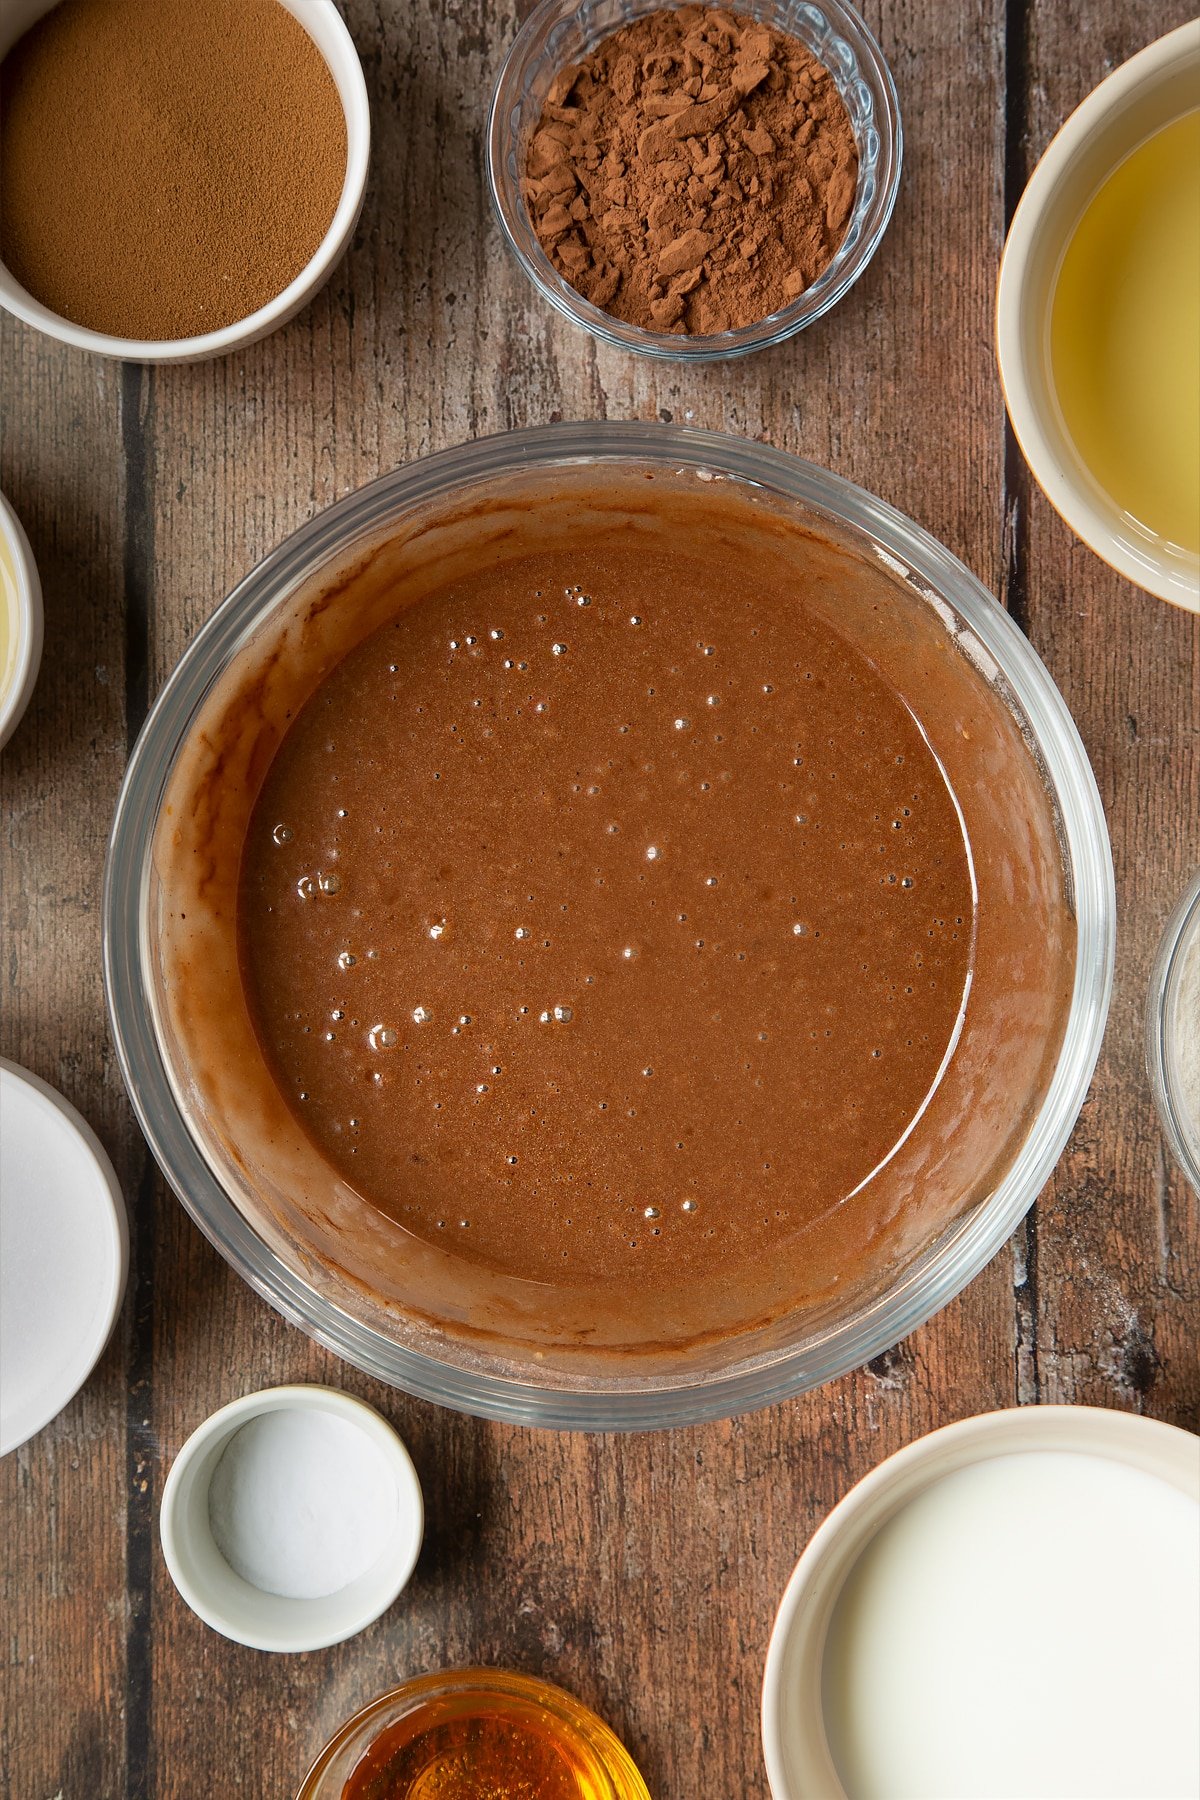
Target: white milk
[{"x": 1028, "y": 1628}]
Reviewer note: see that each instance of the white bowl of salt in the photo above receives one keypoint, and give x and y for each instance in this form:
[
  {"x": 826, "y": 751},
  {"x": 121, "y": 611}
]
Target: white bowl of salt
[{"x": 292, "y": 1518}]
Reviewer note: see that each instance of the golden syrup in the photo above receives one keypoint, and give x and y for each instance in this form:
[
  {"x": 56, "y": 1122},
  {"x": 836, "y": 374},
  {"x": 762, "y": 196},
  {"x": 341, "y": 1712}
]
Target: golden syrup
[
  {"x": 1125, "y": 335},
  {"x": 494, "y": 1737}
]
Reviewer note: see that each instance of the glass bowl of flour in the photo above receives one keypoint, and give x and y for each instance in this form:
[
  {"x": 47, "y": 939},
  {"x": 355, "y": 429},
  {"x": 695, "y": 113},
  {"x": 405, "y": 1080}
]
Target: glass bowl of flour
[{"x": 1173, "y": 1032}]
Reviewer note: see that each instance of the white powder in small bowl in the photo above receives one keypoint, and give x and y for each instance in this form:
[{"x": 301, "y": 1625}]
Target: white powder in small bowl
[{"x": 301, "y": 1503}]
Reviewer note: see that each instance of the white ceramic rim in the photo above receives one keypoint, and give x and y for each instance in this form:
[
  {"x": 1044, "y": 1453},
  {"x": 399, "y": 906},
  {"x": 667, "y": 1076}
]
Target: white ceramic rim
[
  {"x": 1179, "y": 933},
  {"x": 111, "y": 1276},
  {"x": 410, "y": 1523},
  {"x": 1062, "y": 485},
  {"x": 342, "y": 60},
  {"x": 799, "y": 1632},
  {"x": 30, "y": 623}
]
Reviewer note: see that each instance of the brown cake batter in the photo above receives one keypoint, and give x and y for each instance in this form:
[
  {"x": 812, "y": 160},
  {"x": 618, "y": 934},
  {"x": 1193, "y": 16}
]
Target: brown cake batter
[
  {"x": 605, "y": 918},
  {"x": 607, "y": 908}
]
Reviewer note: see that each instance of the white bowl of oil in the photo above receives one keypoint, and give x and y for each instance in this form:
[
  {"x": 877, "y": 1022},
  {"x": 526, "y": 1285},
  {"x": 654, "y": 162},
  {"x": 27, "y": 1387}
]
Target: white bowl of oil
[
  {"x": 1098, "y": 320},
  {"x": 20, "y": 621}
]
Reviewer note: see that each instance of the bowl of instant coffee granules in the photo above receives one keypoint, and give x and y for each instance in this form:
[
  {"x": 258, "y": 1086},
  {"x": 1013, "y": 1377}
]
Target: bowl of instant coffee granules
[
  {"x": 177, "y": 177},
  {"x": 689, "y": 181}
]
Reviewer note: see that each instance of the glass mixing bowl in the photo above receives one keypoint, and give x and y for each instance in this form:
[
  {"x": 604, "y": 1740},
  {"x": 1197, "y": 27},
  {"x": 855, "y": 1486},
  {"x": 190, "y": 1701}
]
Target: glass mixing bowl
[
  {"x": 736, "y": 1374},
  {"x": 1173, "y": 1031}
]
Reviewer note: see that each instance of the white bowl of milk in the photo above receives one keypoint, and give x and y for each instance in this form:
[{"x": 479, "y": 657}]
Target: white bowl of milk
[{"x": 1009, "y": 1608}]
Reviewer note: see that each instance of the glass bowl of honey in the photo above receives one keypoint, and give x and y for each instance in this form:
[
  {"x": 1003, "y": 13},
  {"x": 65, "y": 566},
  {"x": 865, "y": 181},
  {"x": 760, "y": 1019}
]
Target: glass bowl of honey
[
  {"x": 1098, "y": 320},
  {"x": 474, "y": 1734},
  {"x": 567, "y": 927}
]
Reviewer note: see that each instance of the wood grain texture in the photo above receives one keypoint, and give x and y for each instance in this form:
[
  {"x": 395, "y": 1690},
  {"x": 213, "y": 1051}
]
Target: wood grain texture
[
  {"x": 1116, "y": 1293},
  {"x": 63, "y": 1593},
  {"x": 642, "y": 1573}
]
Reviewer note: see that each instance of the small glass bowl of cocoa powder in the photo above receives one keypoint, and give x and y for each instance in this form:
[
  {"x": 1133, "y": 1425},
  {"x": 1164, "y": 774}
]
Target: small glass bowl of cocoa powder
[{"x": 658, "y": 190}]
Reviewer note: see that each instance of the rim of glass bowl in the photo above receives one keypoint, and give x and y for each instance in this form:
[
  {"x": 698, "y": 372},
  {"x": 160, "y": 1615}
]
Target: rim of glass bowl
[
  {"x": 636, "y": 1402},
  {"x": 577, "y": 1723},
  {"x": 555, "y": 34},
  {"x": 1181, "y": 930}
]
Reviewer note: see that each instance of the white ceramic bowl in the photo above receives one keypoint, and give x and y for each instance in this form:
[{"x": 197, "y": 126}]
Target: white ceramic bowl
[
  {"x": 1150, "y": 91},
  {"x": 235, "y": 1607},
  {"x": 324, "y": 25},
  {"x": 21, "y": 608},
  {"x": 64, "y": 1253},
  {"x": 800, "y": 1765}
]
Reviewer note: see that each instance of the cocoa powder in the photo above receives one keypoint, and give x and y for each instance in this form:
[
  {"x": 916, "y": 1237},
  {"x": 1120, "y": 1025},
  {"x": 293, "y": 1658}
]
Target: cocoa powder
[
  {"x": 166, "y": 166},
  {"x": 693, "y": 174}
]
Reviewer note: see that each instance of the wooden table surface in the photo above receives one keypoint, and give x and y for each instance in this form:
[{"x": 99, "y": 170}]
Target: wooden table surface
[{"x": 641, "y": 1572}]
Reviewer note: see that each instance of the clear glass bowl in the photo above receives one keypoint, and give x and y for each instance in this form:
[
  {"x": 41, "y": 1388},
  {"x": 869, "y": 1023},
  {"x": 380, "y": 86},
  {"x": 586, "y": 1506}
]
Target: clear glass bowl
[
  {"x": 1173, "y": 1031},
  {"x": 605, "y": 1770},
  {"x": 715, "y": 1382},
  {"x": 560, "y": 32}
]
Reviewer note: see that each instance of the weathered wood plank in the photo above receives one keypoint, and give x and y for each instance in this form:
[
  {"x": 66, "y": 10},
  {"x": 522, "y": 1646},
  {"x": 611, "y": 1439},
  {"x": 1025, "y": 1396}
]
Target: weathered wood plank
[
  {"x": 62, "y": 1496},
  {"x": 1117, "y": 1283},
  {"x": 642, "y": 1573}
]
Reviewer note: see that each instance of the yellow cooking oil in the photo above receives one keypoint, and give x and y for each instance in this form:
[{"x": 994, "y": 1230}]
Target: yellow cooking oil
[{"x": 1125, "y": 335}]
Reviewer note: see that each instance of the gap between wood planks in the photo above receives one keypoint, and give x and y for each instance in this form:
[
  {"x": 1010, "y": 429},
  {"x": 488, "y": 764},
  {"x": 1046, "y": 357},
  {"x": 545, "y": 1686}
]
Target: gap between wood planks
[{"x": 137, "y": 444}]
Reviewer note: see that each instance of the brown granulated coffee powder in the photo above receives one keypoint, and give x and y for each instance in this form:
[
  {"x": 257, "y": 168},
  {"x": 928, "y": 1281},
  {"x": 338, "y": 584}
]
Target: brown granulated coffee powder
[
  {"x": 166, "y": 166},
  {"x": 694, "y": 173}
]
